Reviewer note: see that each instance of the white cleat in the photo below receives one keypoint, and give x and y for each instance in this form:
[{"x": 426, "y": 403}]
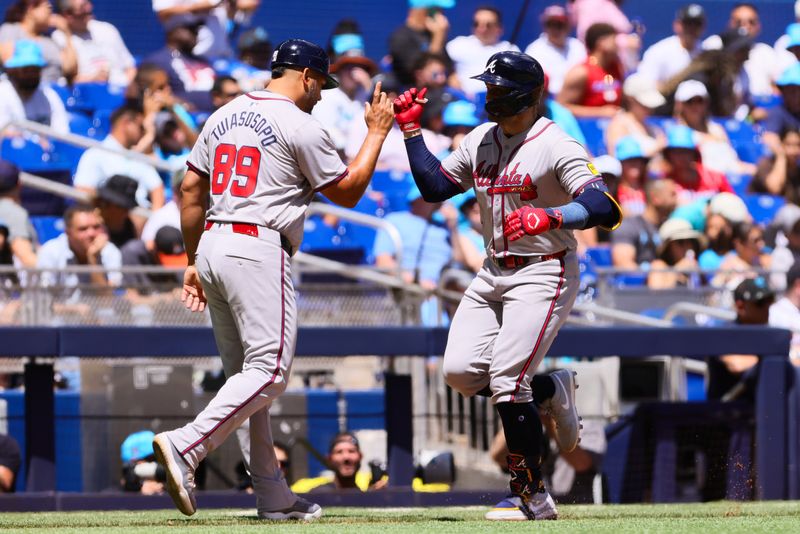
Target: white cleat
[
  {"x": 301, "y": 510},
  {"x": 561, "y": 407},
  {"x": 540, "y": 507},
  {"x": 180, "y": 477}
]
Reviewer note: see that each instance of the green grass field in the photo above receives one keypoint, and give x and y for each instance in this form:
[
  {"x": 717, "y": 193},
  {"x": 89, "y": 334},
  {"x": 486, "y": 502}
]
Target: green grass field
[{"x": 714, "y": 518}]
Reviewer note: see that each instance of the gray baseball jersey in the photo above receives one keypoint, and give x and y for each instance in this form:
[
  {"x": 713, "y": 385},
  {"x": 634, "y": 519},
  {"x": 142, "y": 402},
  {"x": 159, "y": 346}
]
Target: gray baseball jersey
[
  {"x": 541, "y": 167},
  {"x": 265, "y": 158},
  {"x": 509, "y": 316}
]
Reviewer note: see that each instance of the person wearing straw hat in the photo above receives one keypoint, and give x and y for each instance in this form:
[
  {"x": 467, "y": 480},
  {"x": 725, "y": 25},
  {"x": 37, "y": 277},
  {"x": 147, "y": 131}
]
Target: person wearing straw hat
[{"x": 676, "y": 254}]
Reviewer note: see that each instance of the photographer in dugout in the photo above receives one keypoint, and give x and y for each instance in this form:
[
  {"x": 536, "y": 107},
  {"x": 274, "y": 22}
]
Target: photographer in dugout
[{"x": 140, "y": 472}]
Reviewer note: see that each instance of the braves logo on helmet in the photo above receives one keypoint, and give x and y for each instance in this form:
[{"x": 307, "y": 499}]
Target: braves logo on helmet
[{"x": 491, "y": 65}]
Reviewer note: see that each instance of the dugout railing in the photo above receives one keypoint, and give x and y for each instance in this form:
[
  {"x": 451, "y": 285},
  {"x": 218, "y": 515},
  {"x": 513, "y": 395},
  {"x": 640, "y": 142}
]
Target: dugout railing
[{"x": 776, "y": 433}]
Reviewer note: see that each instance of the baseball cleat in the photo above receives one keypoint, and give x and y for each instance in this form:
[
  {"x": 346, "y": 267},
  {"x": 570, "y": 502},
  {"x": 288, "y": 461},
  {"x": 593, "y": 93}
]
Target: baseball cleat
[
  {"x": 180, "y": 476},
  {"x": 302, "y": 510},
  {"x": 561, "y": 407},
  {"x": 513, "y": 508}
]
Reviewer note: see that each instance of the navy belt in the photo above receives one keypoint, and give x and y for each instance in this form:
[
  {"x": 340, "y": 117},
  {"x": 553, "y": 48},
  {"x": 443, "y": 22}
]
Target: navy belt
[{"x": 515, "y": 262}]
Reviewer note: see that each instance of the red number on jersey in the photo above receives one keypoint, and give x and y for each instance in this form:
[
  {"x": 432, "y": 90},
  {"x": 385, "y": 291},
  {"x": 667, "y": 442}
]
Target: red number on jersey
[{"x": 227, "y": 162}]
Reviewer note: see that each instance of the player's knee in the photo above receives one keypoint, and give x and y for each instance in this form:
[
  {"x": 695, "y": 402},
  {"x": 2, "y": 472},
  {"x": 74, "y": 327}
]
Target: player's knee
[{"x": 458, "y": 377}]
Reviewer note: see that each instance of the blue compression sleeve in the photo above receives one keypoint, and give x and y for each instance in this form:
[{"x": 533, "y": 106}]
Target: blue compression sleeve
[
  {"x": 433, "y": 183},
  {"x": 593, "y": 207}
]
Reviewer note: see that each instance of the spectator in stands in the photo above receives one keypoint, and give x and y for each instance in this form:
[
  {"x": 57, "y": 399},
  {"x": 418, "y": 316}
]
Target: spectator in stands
[
  {"x": 470, "y": 53},
  {"x": 10, "y": 461},
  {"x": 84, "y": 242},
  {"x": 787, "y": 115},
  {"x": 668, "y": 57},
  {"x": 785, "y": 313},
  {"x": 683, "y": 164},
  {"x": 634, "y": 245},
  {"x": 8, "y": 280},
  {"x": 634, "y": 161},
  {"x": 425, "y": 30},
  {"x": 676, "y": 262},
  {"x": 225, "y": 89},
  {"x": 594, "y": 87},
  {"x": 22, "y": 94},
  {"x": 763, "y": 62},
  {"x": 426, "y": 245},
  {"x": 167, "y": 251},
  {"x": 191, "y": 77},
  {"x": 639, "y": 98},
  {"x": 733, "y": 376},
  {"x": 251, "y": 68},
  {"x": 779, "y": 173},
  {"x": 21, "y": 235},
  {"x": 459, "y": 118},
  {"x": 96, "y": 166},
  {"x": 151, "y": 91},
  {"x": 747, "y": 258},
  {"x": 470, "y": 234},
  {"x": 30, "y": 20},
  {"x": 563, "y": 117},
  {"x": 585, "y": 13},
  {"x": 555, "y": 49},
  {"x": 782, "y": 41},
  {"x": 115, "y": 199},
  {"x": 215, "y": 15},
  {"x": 432, "y": 71},
  {"x": 341, "y": 106},
  {"x": 716, "y": 217},
  {"x": 785, "y": 227},
  {"x": 102, "y": 54},
  {"x": 691, "y": 109},
  {"x": 172, "y": 142},
  {"x": 169, "y": 214}
]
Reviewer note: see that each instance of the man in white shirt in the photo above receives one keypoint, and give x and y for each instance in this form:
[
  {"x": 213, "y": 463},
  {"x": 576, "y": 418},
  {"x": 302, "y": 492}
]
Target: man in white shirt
[
  {"x": 555, "y": 50},
  {"x": 84, "y": 242},
  {"x": 785, "y": 313},
  {"x": 669, "y": 56},
  {"x": 168, "y": 215},
  {"x": 97, "y": 165},
  {"x": 23, "y": 96},
  {"x": 764, "y": 64},
  {"x": 471, "y": 52},
  {"x": 102, "y": 54},
  {"x": 212, "y": 40}
]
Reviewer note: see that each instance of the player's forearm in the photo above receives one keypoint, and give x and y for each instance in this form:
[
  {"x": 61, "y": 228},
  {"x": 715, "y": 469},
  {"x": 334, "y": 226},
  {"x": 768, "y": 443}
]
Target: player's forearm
[
  {"x": 593, "y": 207},
  {"x": 194, "y": 191},
  {"x": 429, "y": 176},
  {"x": 350, "y": 190}
]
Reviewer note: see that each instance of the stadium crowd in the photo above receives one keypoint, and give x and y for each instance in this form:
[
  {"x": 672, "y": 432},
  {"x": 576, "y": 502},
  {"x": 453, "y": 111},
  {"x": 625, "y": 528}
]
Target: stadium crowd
[{"x": 697, "y": 136}]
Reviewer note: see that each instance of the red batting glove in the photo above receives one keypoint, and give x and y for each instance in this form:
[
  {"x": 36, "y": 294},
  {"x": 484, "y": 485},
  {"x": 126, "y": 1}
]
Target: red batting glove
[
  {"x": 530, "y": 221},
  {"x": 408, "y": 108}
]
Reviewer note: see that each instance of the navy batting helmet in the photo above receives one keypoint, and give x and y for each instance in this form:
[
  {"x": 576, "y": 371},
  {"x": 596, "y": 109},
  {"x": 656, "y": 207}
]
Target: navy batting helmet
[
  {"x": 517, "y": 71},
  {"x": 305, "y": 54}
]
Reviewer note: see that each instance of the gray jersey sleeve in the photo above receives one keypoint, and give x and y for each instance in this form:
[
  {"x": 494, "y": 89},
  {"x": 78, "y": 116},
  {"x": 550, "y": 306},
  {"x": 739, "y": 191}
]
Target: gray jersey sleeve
[
  {"x": 316, "y": 155},
  {"x": 198, "y": 159},
  {"x": 459, "y": 165},
  {"x": 572, "y": 166}
]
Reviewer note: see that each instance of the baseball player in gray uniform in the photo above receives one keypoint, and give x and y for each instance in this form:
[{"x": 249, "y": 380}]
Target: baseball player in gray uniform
[
  {"x": 534, "y": 185},
  {"x": 261, "y": 158}
]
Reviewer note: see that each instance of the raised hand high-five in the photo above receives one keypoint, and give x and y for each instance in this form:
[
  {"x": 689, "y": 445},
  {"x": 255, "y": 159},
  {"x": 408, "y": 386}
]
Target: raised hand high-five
[{"x": 408, "y": 108}]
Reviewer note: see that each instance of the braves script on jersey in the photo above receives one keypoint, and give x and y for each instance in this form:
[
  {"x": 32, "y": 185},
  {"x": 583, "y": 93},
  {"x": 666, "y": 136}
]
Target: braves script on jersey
[
  {"x": 265, "y": 158},
  {"x": 541, "y": 167}
]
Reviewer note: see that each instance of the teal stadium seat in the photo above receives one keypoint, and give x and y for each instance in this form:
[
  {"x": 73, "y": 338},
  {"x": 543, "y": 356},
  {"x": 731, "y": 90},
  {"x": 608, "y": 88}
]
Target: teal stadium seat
[
  {"x": 594, "y": 129},
  {"x": 395, "y": 187},
  {"x": 47, "y": 227},
  {"x": 89, "y": 97}
]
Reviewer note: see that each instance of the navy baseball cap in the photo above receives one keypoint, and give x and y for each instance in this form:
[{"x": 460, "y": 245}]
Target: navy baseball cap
[
  {"x": 119, "y": 190},
  {"x": 184, "y": 20},
  {"x": 9, "y": 176},
  {"x": 753, "y": 290}
]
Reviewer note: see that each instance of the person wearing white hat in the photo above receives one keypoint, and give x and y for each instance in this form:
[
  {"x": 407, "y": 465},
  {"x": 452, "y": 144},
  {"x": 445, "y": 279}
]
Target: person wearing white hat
[
  {"x": 640, "y": 98},
  {"x": 677, "y": 255},
  {"x": 692, "y": 109},
  {"x": 555, "y": 49}
]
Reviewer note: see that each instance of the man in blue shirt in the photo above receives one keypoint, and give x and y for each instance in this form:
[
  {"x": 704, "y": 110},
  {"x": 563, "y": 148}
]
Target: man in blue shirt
[{"x": 787, "y": 115}]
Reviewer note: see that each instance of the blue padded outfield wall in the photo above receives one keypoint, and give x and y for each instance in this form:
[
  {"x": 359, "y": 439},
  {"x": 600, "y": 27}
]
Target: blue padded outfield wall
[{"x": 314, "y": 19}]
